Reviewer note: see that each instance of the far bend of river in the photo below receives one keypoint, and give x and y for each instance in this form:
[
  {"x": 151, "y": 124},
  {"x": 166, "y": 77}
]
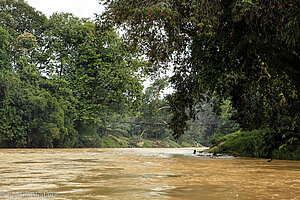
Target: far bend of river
[{"x": 143, "y": 174}]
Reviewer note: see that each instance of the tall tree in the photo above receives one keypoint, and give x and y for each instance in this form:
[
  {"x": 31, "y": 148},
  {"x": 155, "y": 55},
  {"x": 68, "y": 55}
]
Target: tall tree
[
  {"x": 102, "y": 71},
  {"x": 154, "y": 110},
  {"x": 19, "y": 18},
  {"x": 246, "y": 51}
]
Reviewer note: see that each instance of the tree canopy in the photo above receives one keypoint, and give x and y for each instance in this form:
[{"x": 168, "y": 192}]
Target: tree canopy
[
  {"x": 246, "y": 51},
  {"x": 60, "y": 78}
]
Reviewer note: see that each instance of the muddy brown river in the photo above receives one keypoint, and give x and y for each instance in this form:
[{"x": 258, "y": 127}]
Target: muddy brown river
[{"x": 142, "y": 174}]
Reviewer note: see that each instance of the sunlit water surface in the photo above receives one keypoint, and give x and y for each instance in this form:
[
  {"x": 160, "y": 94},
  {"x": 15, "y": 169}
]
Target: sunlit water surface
[{"x": 144, "y": 174}]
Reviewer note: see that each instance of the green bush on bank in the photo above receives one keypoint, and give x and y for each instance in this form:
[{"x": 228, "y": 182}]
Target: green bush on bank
[
  {"x": 258, "y": 143},
  {"x": 173, "y": 144},
  {"x": 147, "y": 144},
  {"x": 288, "y": 152}
]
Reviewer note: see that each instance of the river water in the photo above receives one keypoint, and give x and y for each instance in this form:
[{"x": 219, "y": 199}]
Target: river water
[{"x": 142, "y": 174}]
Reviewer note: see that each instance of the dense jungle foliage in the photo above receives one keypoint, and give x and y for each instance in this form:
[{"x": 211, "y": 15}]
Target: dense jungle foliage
[
  {"x": 60, "y": 78},
  {"x": 71, "y": 82},
  {"x": 244, "y": 51}
]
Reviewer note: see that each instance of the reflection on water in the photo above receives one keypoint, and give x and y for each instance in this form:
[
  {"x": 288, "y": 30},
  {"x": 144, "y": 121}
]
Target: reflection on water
[{"x": 144, "y": 174}]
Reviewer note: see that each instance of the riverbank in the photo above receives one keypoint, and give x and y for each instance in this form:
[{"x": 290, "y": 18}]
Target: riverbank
[
  {"x": 113, "y": 141},
  {"x": 255, "y": 144}
]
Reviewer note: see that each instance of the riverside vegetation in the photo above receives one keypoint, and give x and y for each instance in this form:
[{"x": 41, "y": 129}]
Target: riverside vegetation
[
  {"x": 244, "y": 51},
  {"x": 71, "y": 82}
]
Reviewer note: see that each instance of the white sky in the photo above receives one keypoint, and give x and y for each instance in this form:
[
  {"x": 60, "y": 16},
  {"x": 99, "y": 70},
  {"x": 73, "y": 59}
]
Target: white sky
[{"x": 80, "y": 8}]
